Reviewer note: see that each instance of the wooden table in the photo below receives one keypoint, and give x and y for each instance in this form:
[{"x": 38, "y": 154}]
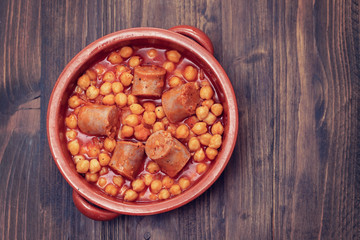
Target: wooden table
[{"x": 295, "y": 68}]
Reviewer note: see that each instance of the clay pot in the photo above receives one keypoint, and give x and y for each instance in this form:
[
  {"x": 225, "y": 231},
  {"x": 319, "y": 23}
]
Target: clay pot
[{"x": 181, "y": 38}]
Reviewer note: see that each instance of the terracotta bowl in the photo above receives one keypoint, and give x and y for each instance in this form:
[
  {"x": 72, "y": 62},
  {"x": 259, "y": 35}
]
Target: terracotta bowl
[{"x": 90, "y": 200}]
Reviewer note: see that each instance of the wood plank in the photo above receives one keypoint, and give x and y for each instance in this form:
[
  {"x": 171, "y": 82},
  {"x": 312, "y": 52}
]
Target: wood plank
[
  {"x": 247, "y": 58},
  {"x": 314, "y": 173}
]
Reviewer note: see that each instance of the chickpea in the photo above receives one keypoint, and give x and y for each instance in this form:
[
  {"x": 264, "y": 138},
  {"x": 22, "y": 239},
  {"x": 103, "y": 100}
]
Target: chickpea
[
  {"x": 130, "y": 195},
  {"x": 126, "y": 131},
  {"x": 73, "y": 147},
  {"x": 118, "y": 180},
  {"x": 104, "y": 170},
  {"x": 91, "y": 74},
  {"x": 71, "y": 134},
  {"x": 104, "y": 159},
  {"x": 93, "y": 151},
  {"x": 74, "y": 101},
  {"x": 208, "y": 103},
  {"x": 148, "y": 179},
  {"x": 109, "y": 144},
  {"x": 206, "y": 92},
  {"x": 94, "y": 166},
  {"x": 100, "y": 69},
  {"x": 215, "y": 141},
  {"x": 126, "y": 79},
  {"x": 155, "y": 186},
  {"x": 82, "y": 166},
  {"x": 210, "y": 119},
  {"x": 190, "y": 73},
  {"x": 149, "y": 118},
  {"x": 91, "y": 177},
  {"x": 121, "y": 99},
  {"x": 165, "y": 121},
  {"x": 205, "y": 139},
  {"x": 134, "y": 61},
  {"x": 153, "y": 197},
  {"x": 84, "y": 81},
  {"x": 152, "y": 53},
  {"x": 132, "y": 120},
  {"x": 83, "y": 150},
  {"x": 201, "y": 168},
  {"x": 184, "y": 183},
  {"x": 149, "y": 107},
  {"x": 141, "y": 133},
  {"x": 167, "y": 181},
  {"x": 194, "y": 144},
  {"x": 164, "y": 194},
  {"x": 217, "y": 128},
  {"x": 199, "y": 128},
  {"x": 169, "y": 66},
  {"x": 175, "y": 189},
  {"x": 109, "y": 76},
  {"x": 202, "y": 112},
  {"x": 117, "y": 87},
  {"x": 102, "y": 181},
  {"x": 111, "y": 189},
  {"x": 152, "y": 167},
  {"x": 115, "y": 58},
  {"x": 105, "y": 88},
  {"x": 199, "y": 155},
  {"x": 172, "y": 129},
  {"x": 131, "y": 99},
  {"x": 138, "y": 185},
  {"x": 182, "y": 131},
  {"x": 78, "y": 90},
  {"x": 159, "y": 111},
  {"x": 77, "y": 158},
  {"x": 120, "y": 69},
  {"x": 126, "y": 52},
  {"x": 174, "y": 81},
  {"x": 109, "y": 99},
  {"x": 92, "y": 92},
  {"x": 136, "y": 109},
  {"x": 71, "y": 121},
  {"x": 211, "y": 153},
  {"x": 173, "y": 56},
  {"x": 158, "y": 126},
  {"x": 217, "y": 109}
]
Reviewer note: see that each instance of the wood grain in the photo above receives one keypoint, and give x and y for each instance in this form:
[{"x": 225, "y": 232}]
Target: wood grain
[{"x": 295, "y": 69}]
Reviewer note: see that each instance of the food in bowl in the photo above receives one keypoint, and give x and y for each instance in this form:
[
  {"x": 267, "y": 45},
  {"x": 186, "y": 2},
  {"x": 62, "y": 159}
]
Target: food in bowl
[{"x": 144, "y": 124}]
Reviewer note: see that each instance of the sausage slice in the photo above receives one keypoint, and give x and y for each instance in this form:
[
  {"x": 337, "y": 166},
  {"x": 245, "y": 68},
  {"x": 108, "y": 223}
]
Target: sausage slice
[
  {"x": 96, "y": 119},
  {"x": 127, "y": 158},
  {"x": 168, "y": 152},
  {"x": 148, "y": 81},
  {"x": 180, "y": 102}
]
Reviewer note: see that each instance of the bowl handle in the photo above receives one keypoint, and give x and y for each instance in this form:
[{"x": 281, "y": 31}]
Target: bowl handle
[
  {"x": 92, "y": 211},
  {"x": 196, "y": 34}
]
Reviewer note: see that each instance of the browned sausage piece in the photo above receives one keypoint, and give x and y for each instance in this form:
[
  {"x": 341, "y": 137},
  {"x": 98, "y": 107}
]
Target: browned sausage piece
[
  {"x": 148, "y": 81},
  {"x": 96, "y": 119},
  {"x": 127, "y": 158},
  {"x": 168, "y": 152},
  {"x": 180, "y": 102}
]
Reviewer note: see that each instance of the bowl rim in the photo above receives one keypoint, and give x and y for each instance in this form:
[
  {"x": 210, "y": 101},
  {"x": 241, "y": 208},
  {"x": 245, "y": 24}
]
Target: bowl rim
[{"x": 114, "y": 39}]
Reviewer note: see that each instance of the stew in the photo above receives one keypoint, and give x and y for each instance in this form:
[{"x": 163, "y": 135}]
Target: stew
[{"x": 143, "y": 124}]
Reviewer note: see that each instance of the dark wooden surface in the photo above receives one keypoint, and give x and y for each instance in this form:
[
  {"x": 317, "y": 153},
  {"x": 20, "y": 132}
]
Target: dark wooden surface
[{"x": 295, "y": 68}]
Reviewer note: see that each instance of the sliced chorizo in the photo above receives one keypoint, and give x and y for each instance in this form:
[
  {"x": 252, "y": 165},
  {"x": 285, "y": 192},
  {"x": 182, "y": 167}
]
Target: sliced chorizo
[
  {"x": 148, "y": 81},
  {"x": 168, "y": 152},
  {"x": 96, "y": 119},
  {"x": 180, "y": 102},
  {"x": 127, "y": 158}
]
